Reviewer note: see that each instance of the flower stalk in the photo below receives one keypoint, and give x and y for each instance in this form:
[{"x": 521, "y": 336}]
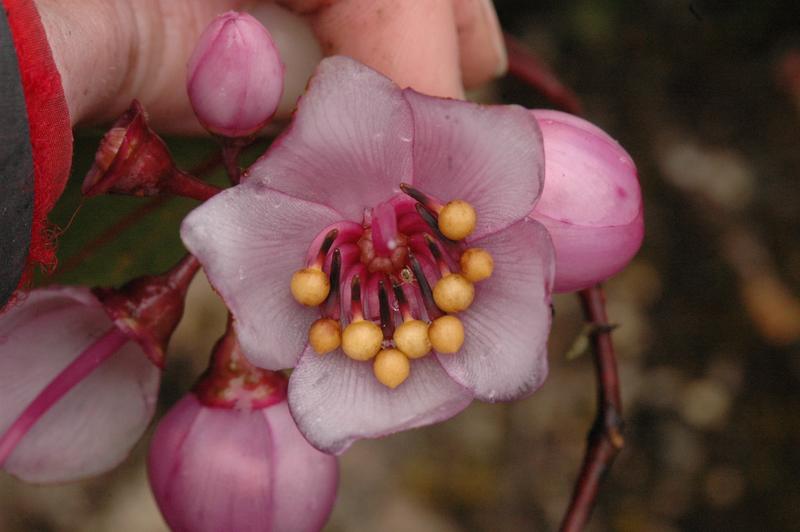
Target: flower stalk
[{"x": 605, "y": 439}]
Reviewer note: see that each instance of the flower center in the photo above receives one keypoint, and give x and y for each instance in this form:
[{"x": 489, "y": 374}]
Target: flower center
[{"x": 389, "y": 287}]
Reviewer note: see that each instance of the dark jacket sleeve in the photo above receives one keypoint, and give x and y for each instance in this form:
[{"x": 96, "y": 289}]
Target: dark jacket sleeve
[{"x": 16, "y": 168}]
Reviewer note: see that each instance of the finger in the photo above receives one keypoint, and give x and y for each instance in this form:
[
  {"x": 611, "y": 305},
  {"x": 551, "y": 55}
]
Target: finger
[
  {"x": 413, "y": 43},
  {"x": 480, "y": 42},
  {"x": 299, "y": 49}
]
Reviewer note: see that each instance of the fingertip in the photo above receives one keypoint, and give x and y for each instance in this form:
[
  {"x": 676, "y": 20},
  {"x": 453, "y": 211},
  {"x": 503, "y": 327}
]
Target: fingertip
[
  {"x": 483, "y": 55},
  {"x": 413, "y": 43}
]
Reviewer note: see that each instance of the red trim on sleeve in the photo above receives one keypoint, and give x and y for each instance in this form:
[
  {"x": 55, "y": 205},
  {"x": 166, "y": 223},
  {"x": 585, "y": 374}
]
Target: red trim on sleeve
[{"x": 49, "y": 124}]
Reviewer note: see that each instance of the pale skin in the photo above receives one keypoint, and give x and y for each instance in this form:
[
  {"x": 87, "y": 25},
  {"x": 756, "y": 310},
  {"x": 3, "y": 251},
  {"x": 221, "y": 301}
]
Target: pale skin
[{"x": 111, "y": 51}]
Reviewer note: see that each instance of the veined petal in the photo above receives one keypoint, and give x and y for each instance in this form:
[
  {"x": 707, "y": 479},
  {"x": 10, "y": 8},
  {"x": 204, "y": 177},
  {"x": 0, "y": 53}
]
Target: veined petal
[
  {"x": 349, "y": 145},
  {"x": 336, "y": 400},
  {"x": 299, "y": 469},
  {"x": 250, "y": 240},
  {"x": 490, "y": 156},
  {"x": 94, "y": 426},
  {"x": 505, "y": 347}
]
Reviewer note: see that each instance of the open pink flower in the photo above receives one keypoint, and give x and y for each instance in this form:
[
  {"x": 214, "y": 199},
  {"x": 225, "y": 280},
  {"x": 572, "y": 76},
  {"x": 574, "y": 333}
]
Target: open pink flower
[{"x": 327, "y": 196}]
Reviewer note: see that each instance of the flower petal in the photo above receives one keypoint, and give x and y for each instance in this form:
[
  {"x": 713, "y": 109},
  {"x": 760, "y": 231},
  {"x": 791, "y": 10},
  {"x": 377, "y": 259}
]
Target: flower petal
[
  {"x": 587, "y": 255},
  {"x": 349, "y": 145},
  {"x": 336, "y": 400},
  {"x": 490, "y": 156},
  {"x": 204, "y": 460},
  {"x": 94, "y": 426},
  {"x": 250, "y": 240},
  {"x": 299, "y": 469},
  {"x": 505, "y": 347}
]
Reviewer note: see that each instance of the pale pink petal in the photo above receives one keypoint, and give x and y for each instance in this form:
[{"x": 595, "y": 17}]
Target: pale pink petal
[
  {"x": 349, "y": 145},
  {"x": 94, "y": 426},
  {"x": 505, "y": 347},
  {"x": 336, "y": 400},
  {"x": 210, "y": 468},
  {"x": 591, "y": 202},
  {"x": 490, "y": 156},
  {"x": 305, "y": 479},
  {"x": 250, "y": 240}
]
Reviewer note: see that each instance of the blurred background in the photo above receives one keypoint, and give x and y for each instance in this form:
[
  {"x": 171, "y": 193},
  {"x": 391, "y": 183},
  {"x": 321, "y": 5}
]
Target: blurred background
[{"x": 705, "y": 95}]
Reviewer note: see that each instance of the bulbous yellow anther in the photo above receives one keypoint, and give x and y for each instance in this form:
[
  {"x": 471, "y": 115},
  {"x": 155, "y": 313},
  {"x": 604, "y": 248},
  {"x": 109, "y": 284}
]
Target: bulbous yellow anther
[
  {"x": 361, "y": 340},
  {"x": 446, "y": 334},
  {"x": 391, "y": 367},
  {"x": 411, "y": 337},
  {"x": 476, "y": 264},
  {"x": 325, "y": 335},
  {"x": 453, "y": 293},
  {"x": 457, "y": 220},
  {"x": 310, "y": 286}
]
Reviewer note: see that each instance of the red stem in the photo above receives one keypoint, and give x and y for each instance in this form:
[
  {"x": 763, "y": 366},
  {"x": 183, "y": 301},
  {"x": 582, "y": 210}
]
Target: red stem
[
  {"x": 89, "y": 360},
  {"x": 526, "y": 66},
  {"x": 188, "y": 186},
  {"x": 231, "y": 149},
  {"x": 605, "y": 437}
]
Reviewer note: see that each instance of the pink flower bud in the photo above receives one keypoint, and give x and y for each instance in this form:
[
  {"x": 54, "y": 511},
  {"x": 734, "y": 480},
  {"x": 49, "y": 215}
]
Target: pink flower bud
[
  {"x": 217, "y": 468},
  {"x": 235, "y": 76},
  {"x": 229, "y": 456},
  {"x": 591, "y": 203}
]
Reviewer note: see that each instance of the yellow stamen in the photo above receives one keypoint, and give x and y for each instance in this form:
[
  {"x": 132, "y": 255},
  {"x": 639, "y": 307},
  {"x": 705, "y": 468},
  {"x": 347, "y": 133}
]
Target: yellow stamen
[
  {"x": 476, "y": 264},
  {"x": 325, "y": 335},
  {"x": 457, "y": 220},
  {"x": 411, "y": 337},
  {"x": 446, "y": 334},
  {"x": 453, "y": 293},
  {"x": 362, "y": 339},
  {"x": 391, "y": 367},
  {"x": 310, "y": 286}
]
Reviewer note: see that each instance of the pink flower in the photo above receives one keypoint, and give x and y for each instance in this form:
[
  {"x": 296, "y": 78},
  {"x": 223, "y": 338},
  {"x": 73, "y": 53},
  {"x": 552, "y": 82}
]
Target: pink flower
[
  {"x": 591, "y": 203},
  {"x": 228, "y": 456},
  {"x": 79, "y": 374},
  {"x": 355, "y": 138},
  {"x": 235, "y": 76}
]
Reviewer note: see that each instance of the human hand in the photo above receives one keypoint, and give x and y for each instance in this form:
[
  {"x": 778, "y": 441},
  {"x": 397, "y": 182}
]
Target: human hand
[{"x": 111, "y": 51}]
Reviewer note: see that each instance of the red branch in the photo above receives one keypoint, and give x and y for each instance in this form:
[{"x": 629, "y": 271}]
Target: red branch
[
  {"x": 527, "y": 67},
  {"x": 605, "y": 437}
]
